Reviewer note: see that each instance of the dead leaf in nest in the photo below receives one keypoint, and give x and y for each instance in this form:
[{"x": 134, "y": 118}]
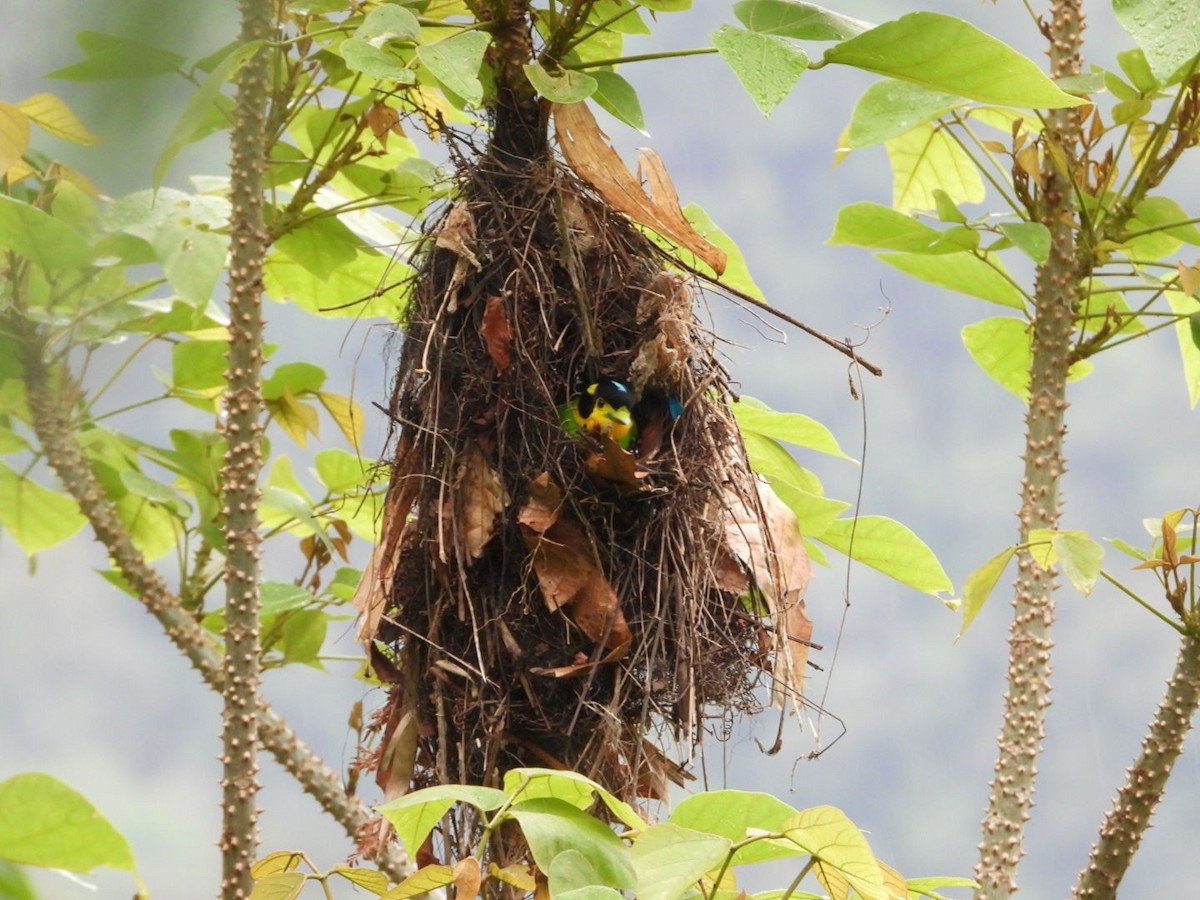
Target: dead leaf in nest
[
  {"x": 542, "y": 509},
  {"x": 582, "y": 663},
  {"x": 497, "y": 334},
  {"x": 480, "y": 497},
  {"x": 594, "y": 160},
  {"x": 655, "y": 769},
  {"x": 566, "y": 570},
  {"x": 398, "y": 746},
  {"x": 457, "y": 235},
  {"x": 383, "y": 121},
  {"x": 778, "y": 564},
  {"x": 373, "y": 593},
  {"x": 616, "y": 465}
]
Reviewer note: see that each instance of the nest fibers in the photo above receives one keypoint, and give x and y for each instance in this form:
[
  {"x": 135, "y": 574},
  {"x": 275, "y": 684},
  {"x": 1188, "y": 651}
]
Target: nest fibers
[{"x": 552, "y": 600}]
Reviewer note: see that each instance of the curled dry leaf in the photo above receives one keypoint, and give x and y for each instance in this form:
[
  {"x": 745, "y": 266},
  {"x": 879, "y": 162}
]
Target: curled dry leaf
[
  {"x": 467, "y": 878},
  {"x": 565, "y": 565},
  {"x": 383, "y": 121},
  {"x": 775, "y": 562},
  {"x": 457, "y": 235},
  {"x": 371, "y": 597},
  {"x": 497, "y": 334},
  {"x": 594, "y": 160},
  {"x": 616, "y": 465},
  {"x": 478, "y": 498}
]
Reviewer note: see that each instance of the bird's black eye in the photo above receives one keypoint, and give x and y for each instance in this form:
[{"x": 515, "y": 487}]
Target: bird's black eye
[{"x": 600, "y": 404}]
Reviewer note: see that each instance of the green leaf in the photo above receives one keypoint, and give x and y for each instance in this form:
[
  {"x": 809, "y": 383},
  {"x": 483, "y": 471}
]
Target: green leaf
[
  {"x": 1189, "y": 309},
  {"x": 802, "y": 21},
  {"x": 455, "y": 62},
  {"x": 570, "y": 787},
  {"x": 340, "y": 471},
  {"x": 561, "y": 86},
  {"x": 928, "y": 887},
  {"x": 375, "y": 62},
  {"x": 1167, "y": 31},
  {"x": 948, "y": 54},
  {"x": 980, "y": 584},
  {"x": 110, "y": 56},
  {"x": 1003, "y": 348},
  {"x": 153, "y": 529},
  {"x": 350, "y": 291},
  {"x": 321, "y": 245},
  {"x": 962, "y": 272},
  {"x": 13, "y": 883},
  {"x": 370, "y": 880},
  {"x": 926, "y": 159},
  {"x": 185, "y": 231},
  {"x": 48, "y": 243},
  {"x": 415, "y": 815},
  {"x": 890, "y": 108},
  {"x": 43, "y": 822},
  {"x": 198, "y": 370},
  {"x": 616, "y": 95},
  {"x": 767, "y": 67},
  {"x": 279, "y": 886},
  {"x": 1080, "y": 557},
  {"x": 734, "y": 815},
  {"x": 868, "y": 224},
  {"x": 54, "y": 117},
  {"x": 1167, "y": 215},
  {"x": 37, "y": 518},
  {"x": 298, "y": 378},
  {"x": 737, "y": 273},
  {"x": 668, "y": 859},
  {"x": 891, "y": 548},
  {"x": 193, "y": 121},
  {"x": 303, "y": 636},
  {"x": 553, "y": 826},
  {"x": 1031, "y": 238},
  {"x": 389, "y": 22},
  {"x": 791, "y": 428},
  {"x": 828, "y": 835}
]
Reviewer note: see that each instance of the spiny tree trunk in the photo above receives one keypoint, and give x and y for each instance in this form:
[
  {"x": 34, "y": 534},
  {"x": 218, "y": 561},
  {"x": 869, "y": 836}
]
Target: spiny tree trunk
[{"x": 1057, "y": 295}]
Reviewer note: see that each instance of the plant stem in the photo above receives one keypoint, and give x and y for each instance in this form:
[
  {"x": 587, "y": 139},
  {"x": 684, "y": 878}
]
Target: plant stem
[
  {"x": 1129, "y": 817},
  {"x": 1055, "y": 301},
  {"x": 58, "y": 436},
  {"x": 243, "y": 460}
]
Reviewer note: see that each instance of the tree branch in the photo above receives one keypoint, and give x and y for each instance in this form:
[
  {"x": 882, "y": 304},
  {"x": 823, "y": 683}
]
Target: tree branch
[
  {"x": 243, "y": 406},
  {"x": 1129, "y": 817},
  {"x": 1055, "y": 302},
  {"x": 57, "y": 436}
]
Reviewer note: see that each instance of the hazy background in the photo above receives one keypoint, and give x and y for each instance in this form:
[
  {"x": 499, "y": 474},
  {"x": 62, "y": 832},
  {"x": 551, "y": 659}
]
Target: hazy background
[{"x": 91, "y": 693}]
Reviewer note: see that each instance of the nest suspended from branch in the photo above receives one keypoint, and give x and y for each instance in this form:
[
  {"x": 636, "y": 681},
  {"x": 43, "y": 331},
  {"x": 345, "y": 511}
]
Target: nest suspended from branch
[{"x": 548, "y": 599}]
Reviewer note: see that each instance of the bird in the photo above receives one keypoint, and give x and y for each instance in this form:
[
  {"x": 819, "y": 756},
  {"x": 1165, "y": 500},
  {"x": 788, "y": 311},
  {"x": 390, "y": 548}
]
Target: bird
[{"x": 604, "y": 407}]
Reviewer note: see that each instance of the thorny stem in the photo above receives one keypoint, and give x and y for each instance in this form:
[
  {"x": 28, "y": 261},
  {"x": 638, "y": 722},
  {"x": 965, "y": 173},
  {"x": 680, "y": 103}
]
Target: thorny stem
[
  {"x": 1056, "y": 298},
  {"x": 1129, "y": 817},
  {"x": 243, "y": 460},
  {"x": 57, "y": 436}
]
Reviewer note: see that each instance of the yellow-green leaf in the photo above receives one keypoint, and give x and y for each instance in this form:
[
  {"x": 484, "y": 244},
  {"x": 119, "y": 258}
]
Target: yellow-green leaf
[
  {"x": 56, "y": 118},
  {"x": 1188, "y": 308},
  {"x": 962, "y": 272},
  {"x": 347, "y": 414},
  {"x": 891, "y": 548},
  {"x": 839, "y": 848},
  {"x": 980, "y": 584},
  {"x": 37, "y": 518},
  {"x": 14, "y": 136},
  {"x": 926, "y": 159},
  {"x": 1003, "y": 348}
]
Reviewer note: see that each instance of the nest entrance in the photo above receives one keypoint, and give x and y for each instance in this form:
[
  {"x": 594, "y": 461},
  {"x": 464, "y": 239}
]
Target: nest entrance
[{"x": 541, "y": 598}]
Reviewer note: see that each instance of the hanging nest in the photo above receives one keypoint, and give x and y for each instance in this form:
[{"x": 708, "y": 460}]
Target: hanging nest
[{"x": 540, "y": 598}]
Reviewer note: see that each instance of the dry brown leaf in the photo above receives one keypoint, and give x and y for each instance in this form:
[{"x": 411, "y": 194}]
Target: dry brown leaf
[
  {"x": 544, "y": 504},
  {"x": 1189, "y": 279},
  {"x": 594, "y": 160},
  {"x": 383, "y": 121},
  {"x": 655, "y": 770},
  {"x": 481, "y": 497},
  {"x": 457, "y": 235},
  {"x": 570, "y": 579},
  {"x": 467, "y": 878},
  {"x": 497, "y": 334},
  {"x": 781, "y": 571},
  {"x": 616, "y": 465},
  {"x": 373, "y": 593}
]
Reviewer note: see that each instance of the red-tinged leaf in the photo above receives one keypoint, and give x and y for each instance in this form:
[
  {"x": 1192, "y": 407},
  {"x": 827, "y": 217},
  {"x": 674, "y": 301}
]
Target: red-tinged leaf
[{"x": 497, "y": 334}]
